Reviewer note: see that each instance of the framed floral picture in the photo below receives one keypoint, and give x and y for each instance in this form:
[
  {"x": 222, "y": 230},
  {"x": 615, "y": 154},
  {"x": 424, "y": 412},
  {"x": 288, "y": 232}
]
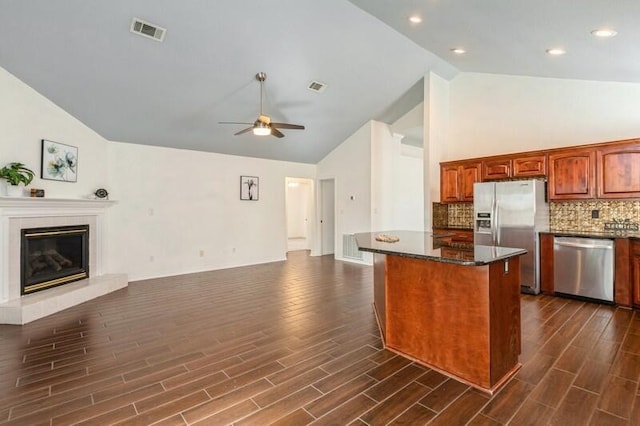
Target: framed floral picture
[
  {"x": 249, "y": 188},
  {"x": 59, "y": 161}
]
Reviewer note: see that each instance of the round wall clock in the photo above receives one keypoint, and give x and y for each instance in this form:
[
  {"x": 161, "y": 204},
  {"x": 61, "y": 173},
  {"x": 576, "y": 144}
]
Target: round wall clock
[{"x": 101, "y": 193}]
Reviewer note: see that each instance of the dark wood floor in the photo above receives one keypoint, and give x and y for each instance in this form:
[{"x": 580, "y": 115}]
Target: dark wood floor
[{"x": 294, "y": 343}]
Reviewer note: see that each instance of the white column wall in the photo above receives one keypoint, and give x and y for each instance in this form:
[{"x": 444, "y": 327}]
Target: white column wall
[{"x": 350, "y": 165}]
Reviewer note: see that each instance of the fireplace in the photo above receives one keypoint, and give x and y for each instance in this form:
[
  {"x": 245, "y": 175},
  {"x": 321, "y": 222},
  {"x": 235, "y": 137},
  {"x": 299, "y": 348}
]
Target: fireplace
[{"x": 53, "y": 256}]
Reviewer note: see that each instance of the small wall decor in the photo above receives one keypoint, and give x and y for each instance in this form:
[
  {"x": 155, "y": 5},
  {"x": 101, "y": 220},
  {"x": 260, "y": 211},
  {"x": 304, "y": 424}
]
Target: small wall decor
[
  {"x": 59, "y": 161},
  {"x": 101, "y": 193},
  {"x": 249, "y": 188}
]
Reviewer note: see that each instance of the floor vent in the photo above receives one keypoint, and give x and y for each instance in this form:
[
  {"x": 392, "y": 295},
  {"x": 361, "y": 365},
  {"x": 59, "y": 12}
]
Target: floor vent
[
  {"x": 350, "y": 248},
  {"x": 316, "y": 86},
  {"x": 146, "y": 29}
]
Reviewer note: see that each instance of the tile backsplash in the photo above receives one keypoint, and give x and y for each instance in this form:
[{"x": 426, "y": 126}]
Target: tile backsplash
[
  {"x": 563, "y": 215},
  {"x": 453, "y": 215},
  {"x": 440, "y": 215},
  {"x": 576, "y": 215}
]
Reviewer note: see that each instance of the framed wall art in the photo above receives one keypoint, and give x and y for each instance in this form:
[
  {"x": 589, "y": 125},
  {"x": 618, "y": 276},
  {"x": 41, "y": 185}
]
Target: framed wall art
[
  {"x": 249, "y": 188},
  {"x": 59, "y": 161}
]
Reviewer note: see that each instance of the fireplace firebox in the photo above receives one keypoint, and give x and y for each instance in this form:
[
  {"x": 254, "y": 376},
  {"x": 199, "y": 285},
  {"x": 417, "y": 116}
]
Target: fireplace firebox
[{"x": 53, "y": 256}]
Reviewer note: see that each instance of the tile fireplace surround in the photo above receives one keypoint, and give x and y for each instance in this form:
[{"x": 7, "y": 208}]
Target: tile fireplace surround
[{"x": 19, "y": 213}]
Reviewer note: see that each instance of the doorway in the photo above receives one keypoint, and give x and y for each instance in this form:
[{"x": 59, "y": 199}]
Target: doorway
[
  {"x": 299, "y": 206},
  {"x": 327, "y": 216}
]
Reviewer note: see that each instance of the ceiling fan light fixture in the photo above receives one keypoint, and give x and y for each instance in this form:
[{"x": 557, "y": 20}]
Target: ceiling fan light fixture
[{"x": 261, "y": 129}]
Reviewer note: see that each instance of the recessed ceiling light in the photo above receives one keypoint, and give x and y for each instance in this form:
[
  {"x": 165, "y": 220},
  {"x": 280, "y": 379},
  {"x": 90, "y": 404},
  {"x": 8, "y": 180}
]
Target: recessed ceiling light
[
  {"x": 458, "y": 50},
  {"x": 556, "y": 51},
  {"x": 415, "y": 19},
  {"x": 604, "y": 33}
]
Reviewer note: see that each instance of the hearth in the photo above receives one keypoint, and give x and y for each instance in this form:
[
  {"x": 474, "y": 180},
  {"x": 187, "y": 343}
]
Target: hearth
[{"x": 53, "y": 256}]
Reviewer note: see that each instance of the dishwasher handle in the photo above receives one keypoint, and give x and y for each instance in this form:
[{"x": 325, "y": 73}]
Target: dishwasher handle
[{"x": 583, "y": 245}]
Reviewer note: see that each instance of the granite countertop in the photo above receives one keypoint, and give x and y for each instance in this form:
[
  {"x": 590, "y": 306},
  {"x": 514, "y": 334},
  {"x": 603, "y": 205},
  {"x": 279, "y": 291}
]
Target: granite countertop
[
  {"x": 424, "y": 245},
  {"x": 594, "y": 234}
]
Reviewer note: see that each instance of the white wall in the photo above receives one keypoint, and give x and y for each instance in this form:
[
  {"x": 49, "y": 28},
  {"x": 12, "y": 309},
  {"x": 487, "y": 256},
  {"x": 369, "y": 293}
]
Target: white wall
[
  {"x": 350, "y": 165},
  {"x": 173, "y": 204},
  {"x": 397, "y": 195},
  {"x": 385, "y": 149},
  {"x": 498, "y": 114},
  {"x": 408, "y": 189},
  {"x": 27, "y": 117},
  {"x": 438, "y": 126}
]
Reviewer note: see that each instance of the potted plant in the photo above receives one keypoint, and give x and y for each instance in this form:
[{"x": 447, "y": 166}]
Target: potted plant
[{"x": 15, "y": 174}]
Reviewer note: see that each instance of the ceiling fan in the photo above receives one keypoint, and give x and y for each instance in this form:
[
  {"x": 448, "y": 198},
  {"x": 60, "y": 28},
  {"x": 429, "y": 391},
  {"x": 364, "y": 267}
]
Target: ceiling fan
[{"x": 263, "y": 125}]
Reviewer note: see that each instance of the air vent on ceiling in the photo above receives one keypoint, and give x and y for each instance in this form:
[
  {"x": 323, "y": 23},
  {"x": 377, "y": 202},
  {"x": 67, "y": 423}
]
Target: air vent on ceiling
[
  {"x": 317, "y": 86},
  {"x": 146, "y": 29}
]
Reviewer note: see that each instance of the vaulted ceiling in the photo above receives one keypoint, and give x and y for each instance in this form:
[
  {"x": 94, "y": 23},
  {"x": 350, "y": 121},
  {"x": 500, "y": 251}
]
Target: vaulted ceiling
[{"x": 81, "y": 55}]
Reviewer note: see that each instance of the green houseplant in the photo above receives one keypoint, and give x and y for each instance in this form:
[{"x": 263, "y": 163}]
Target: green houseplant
[{"x": 14, "y": 174}]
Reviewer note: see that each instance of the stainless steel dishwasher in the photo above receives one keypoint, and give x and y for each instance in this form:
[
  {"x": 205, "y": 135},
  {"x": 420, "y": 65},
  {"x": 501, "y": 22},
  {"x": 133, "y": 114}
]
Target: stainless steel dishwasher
[{"x": 583, "y": 267}]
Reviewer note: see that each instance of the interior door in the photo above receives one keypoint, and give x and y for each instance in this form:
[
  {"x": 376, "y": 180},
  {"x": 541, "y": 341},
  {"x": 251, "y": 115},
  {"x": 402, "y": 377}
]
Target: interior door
[{"x": 327, "y": 216}]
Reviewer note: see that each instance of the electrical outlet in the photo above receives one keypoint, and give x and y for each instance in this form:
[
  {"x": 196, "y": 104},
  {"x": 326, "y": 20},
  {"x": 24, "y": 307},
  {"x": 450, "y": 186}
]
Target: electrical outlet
[
  {"x": 201, "y": 253},
  {"x": 595, "y": 214},
  {"x": 151, "y": 258}
]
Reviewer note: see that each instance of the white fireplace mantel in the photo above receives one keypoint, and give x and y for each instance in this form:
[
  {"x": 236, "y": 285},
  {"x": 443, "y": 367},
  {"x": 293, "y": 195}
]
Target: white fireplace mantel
[
  {"x": 21, "y": 206},
  {"x": 19, "y": 212}
]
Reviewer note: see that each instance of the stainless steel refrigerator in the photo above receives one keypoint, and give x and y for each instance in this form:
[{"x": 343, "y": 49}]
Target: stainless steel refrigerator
[{"x": 510, "y": 214}]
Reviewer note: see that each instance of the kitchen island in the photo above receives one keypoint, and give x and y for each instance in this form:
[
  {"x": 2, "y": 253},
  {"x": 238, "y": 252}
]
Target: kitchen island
[{"x": 459, "y": 315}]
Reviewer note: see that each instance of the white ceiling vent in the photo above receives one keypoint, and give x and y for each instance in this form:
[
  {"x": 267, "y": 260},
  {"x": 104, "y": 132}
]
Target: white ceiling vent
[
  {"x": 146, "y": 29},
  {"x": 317, "y": 86}
]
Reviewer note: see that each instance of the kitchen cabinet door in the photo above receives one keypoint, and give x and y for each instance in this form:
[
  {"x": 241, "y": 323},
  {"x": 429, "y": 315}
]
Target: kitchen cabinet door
[
  {"x": 618, "y": 171},
  {"x": 535, "y": 165},
  {"x": 449, "y": 187},
  {"x": 469, "y": 174},
  {"x": 496, "y": 169},
  {"x": 546, "y": 263},
  {"x": 572, "y": 174},
  {"x": 635, "y": 272},
  {"x": 457, "y": 179}
]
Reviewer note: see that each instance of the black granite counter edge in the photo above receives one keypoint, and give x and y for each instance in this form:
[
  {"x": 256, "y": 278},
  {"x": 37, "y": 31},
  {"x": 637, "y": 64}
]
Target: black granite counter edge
[
  {"x": 423, "y": 257},
  {"x": 443, "y": 259},
  {"x": 452, "y": 228},
  {"x": 591, "y": 234}
]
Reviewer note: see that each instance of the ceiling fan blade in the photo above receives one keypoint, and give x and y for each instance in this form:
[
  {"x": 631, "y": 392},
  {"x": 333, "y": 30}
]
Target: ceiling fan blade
[
  {"x": 232, "y": 122},
  {"x": 277, "y": 133},
  {"x": 287, "y": 126},
  {"x": 248, "y": 129}
]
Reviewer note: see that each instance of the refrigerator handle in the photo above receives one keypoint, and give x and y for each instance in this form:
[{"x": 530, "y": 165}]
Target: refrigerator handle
[
  {"x": 494, "y": 221},
  {"x": 497, "y": 223}
]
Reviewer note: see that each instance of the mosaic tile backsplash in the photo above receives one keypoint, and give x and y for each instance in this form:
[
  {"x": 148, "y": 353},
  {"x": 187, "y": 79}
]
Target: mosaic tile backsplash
[
  {"x": 576, "y": 215},
  {"x": 460, "y": 215},
  {"x": 563, "y": 216},
  {"x": 440, "y": 215}
]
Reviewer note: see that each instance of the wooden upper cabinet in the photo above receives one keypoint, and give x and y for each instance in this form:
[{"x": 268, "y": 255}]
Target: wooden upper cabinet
[
  {"x": 618, "y": 171},
  {"x": 496, "y": 169},
  {"x": 572, "y": 174},
  {"x": 457, "y": 179},
  {"x": 469, "y": 174},
  {"x": 530, "y": 166},
  {"x": 514, "y": 167},
  {"x": 449, "y": 183}
]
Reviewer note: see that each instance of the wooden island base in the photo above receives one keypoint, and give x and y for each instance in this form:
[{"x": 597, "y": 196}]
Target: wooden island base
[{"x": 461, "y": 320}]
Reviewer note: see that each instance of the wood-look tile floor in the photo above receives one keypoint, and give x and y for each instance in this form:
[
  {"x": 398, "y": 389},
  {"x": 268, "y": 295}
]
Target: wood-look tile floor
[{"x": 294, "y": 343}]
